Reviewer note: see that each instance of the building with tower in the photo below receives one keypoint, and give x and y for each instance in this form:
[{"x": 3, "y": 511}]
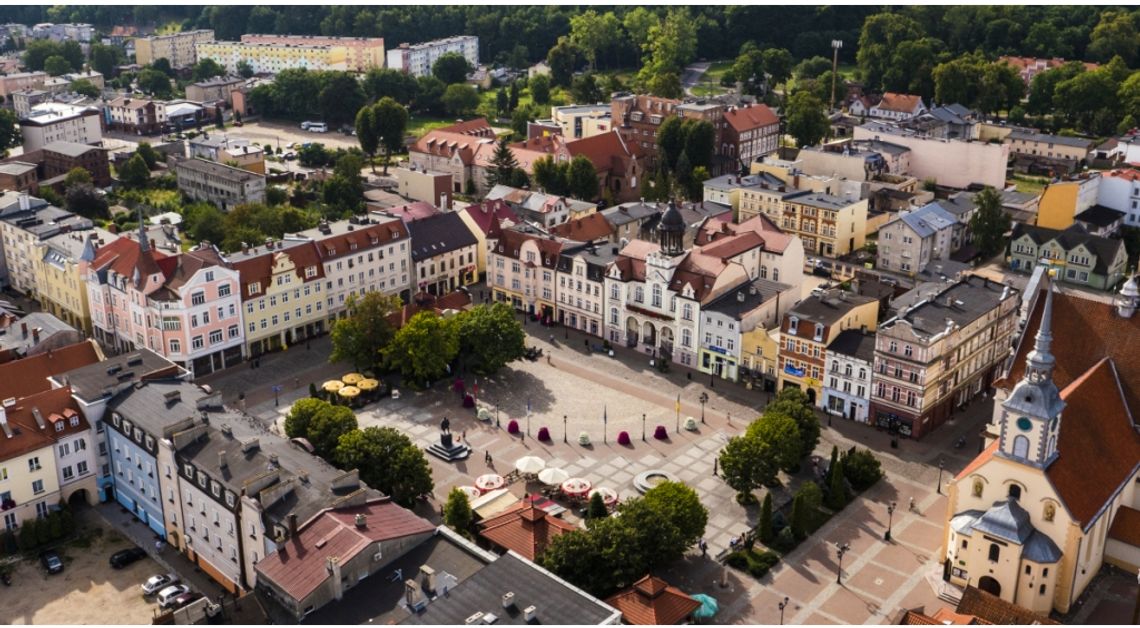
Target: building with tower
[{"x": 1054, "y": 495}]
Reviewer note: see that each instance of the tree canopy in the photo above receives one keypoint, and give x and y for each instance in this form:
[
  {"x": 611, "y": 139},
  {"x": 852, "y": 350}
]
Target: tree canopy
[
  {"x": 424, "y": 347},
  {"x": 451, "y": 68},
  {"x": 388, "y": 461},
  {"x": 360, "y": 337},
  {"x": 490, "y": 337}
]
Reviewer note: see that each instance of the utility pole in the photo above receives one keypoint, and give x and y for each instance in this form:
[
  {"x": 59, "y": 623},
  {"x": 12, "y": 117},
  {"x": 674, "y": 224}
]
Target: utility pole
[{"x": 836, "y": 44}]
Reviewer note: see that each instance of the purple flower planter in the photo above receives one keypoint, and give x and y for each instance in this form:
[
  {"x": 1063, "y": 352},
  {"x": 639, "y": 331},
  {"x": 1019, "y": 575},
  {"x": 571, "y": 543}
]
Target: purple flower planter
[
  {"x": 660, "y": 433},
  {"x": 513, "y": 427},
  {"x": 623, "y": 438},
  {"x": 543, "y": 434},
  {"x": 468, "y": 401}
]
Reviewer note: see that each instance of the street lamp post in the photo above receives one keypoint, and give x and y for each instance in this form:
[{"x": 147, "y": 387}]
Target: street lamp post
[
  {"x": 276, "y": 389},
  {"x": 840, "y": 550},
  {"x": 890, "y": 519},
  {"x": 643, "y": 427},
  {"x": 782, "y": 606},
  {"x": 704, "y": 398},
  {"x": 836, "y": 44},
  {"x": 564, "y": 428},
  {"x": 941, "y": 465}
]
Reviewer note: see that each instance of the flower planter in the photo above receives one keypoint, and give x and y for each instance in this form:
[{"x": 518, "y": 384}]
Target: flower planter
[
  {"x": 660, "y": 433},
  {"x": 543, "y": 434},
  {"x": 583, "y": 439},
  {"x": 513, "y": 427},
  {"x": 691, "y": 424},
  {"x": 623, "y": 438}
]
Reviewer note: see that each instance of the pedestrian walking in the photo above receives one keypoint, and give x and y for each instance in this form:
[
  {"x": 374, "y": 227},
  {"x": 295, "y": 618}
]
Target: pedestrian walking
[
  {"x": 911, "y": 506},
  {"x": 487, "y": 458},
  {"x": 463, "y": 434},
  {"x": 704, "y": 548}
]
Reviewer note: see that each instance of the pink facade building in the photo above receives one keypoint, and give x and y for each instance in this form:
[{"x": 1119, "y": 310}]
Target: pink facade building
[{"x": 185, "y": 307}]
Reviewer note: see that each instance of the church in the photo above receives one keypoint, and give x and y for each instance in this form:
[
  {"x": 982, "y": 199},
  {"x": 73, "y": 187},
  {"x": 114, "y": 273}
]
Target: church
[{"x": 1056, "y": 492}]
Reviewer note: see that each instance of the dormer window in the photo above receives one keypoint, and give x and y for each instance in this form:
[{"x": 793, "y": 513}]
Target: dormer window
[
  {"x": 818, "y": 332},
  {"x": 793, "y": 325}
]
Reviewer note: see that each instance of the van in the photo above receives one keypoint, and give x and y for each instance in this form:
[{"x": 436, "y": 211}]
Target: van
[
  {"x": 305, "y": 125},
  {"x": 319, "y": 127}
]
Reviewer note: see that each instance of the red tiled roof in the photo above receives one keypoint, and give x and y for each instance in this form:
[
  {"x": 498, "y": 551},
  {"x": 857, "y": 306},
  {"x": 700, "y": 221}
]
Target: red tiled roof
[
  {"x": 992, "y": 609},
  {"x": 20, "y": 378},
  {"x": 412, "y": 211},
  {"x": 477, "y": 126},
  {"x": 899, "y": 102},
  {"x": 1098, "y": 449},
  {"x": 980, "y": 460},
  {"x": 524, "y": 528},
  {"x": 748, "y": 118},
  {"x": 124, "y": 255},
  {"x": 653, "y": 602},
  {"x": 488, "y": 214},
  {"x": 421, "y": 302},
  {"x": 259, "y": 268},
  {"x": 1126, "y": 526},
  {"x": 339, "y": 245},
  {"x": 299, "y": 566},
  {"x": 726, "y": 248},
  {"x": 605, "y": 150},
  {"x": 511, "y": 241},
  {"x": 916, "y": 618},
  {"x": 52, "y": 405},
  {"x": 443, "y": 143},
  {"x": 590, "y": 227}
]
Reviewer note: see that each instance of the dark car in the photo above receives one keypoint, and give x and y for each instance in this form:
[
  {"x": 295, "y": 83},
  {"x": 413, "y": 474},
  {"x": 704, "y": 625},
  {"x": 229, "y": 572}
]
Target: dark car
[
  {"x": 51, "y": 561},
  {"x": 185, "y": 599},
  {"x": 125, "y": 557}
]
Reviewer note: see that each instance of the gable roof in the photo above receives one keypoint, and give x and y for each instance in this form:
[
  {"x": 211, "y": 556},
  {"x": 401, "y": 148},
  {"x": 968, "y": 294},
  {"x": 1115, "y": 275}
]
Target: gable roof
[
  {"x": 24, "y": 416},
  {"x": 123, "y": 256},
  {"x": 439, "y": 234},
  {"x": 28, "y": 376},
  {"x": 489, "y": 214},
  {"x": 511, "y": 241},
  {"x": 257, "y": 268},
  {"x": 653, "y": 602},
  {"x": 995, "y": 610},
  {"x": 1105, "y": 249},
  {"x": 299, "y": 565},
  {"x": 524, "y": 528},
  {"x": 589, "y": 227},
  {"x": 928, "y": 220},
  {"x": 607, "y": 151},
  {"x": 757, "y": 116},
  {"x": 1100, "y": 216},
  {"x": 906, "y": 103}
]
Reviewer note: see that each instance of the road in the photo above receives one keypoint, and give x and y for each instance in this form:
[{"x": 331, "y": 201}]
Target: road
[{"x": 692, "y": 75}]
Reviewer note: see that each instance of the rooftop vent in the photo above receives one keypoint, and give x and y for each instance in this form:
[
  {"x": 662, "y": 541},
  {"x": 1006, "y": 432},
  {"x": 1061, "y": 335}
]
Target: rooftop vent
[
  {"x": 361, "y": 520},
  {"x": 530, "y": 613}
]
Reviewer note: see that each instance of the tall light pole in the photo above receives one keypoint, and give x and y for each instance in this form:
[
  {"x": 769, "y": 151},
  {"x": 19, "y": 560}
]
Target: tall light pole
[
  {"x": 941, "y": 464},
  {"x": 890, "y": 519},
  {"x": 643, "y": 427},
  {"x": 840, "y": 550},
  {"x": 836, "y": 44},
  {"x": 564, "y": 428},
  {"x": 704, "y": 398},
  {"x": 782, "y": 605}
]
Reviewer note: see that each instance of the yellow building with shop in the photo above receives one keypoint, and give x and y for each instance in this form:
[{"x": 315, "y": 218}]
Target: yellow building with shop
[
  {"x": 282, "y": 296},
  {"x": 61, "y": 289},
  {"x": 760, "y": 354}
]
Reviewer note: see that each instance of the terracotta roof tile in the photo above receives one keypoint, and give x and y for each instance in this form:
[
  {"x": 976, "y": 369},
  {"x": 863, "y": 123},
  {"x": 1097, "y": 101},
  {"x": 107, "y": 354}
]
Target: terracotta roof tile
[
  {"x": 511, "y": 241},
  {"x": 27, "y": 436},
  {"x": 488, "y": 215},
  {"x": 653, "y": 602},
  {"x": 524, "y": 528},
  {"x": 995, "y": 610},
  {"x": 124, "y": 255},
  {"x": 591, "y": 227},
  {"x": 20, "y": 378},
  {"x": 899, "y": 102},
  {"x": 1126, "y": 526},
  {"x": 981, "y": 459},
  {"x": 748, "y": 118}
]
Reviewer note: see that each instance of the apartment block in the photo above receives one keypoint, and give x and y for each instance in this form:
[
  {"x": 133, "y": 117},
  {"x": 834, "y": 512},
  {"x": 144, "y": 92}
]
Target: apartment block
[
  {"x": 828, "y": 225},
  {"x": 57, "y": 122},
  {"x": 178, "y": 48},
  {"x": 418, "y": 59},
  {"x": 20, "y": 81},
  {"x": 222, "y": 185},
  {"x": 25, "y": 221},
  {"x": 274, "y": 57},
  {"x": 364, "y": 53},
  {"x": 281, "y": 292},
  {"x": 808, "y": 330}
]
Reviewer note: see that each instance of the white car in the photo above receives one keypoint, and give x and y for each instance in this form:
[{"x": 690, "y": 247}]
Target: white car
[
  {"x": 166, "y": 596},
  {"x": 155, "y": 583}
]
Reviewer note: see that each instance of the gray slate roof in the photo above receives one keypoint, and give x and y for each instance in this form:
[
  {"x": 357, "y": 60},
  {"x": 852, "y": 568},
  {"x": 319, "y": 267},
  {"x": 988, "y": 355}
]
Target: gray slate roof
[
  {"x": 962, "y": 302},
  {"x": 854, "y": 343},
  {"x": 1006, "y": 519},
  {"x": 928, "y": 220},
  {"x": 829, "y": 308},
  {"x": 94, "y": 381},
  {"x": 1079, "y": 142},
  {"x": 746, "y": 297},
  {"x": 1105, "y": 249},
  {"x": 439, "y": 234},
  {"x": 1100, "y": 216}
]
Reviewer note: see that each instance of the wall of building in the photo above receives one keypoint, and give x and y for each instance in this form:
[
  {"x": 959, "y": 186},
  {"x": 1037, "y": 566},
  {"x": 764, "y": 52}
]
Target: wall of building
[{"x": 952, "y": 163}]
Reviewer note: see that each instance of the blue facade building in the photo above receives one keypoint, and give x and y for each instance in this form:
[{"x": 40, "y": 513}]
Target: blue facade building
[{"x": 134, "y": 463}]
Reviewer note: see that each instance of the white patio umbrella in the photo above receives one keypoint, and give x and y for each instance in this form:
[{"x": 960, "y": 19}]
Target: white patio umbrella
[
  {"x": 553, "y": 476},
  {"x": 530, "y": 464}
]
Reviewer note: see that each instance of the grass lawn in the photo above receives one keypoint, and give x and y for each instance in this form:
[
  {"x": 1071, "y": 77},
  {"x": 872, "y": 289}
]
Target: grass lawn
[
  {"x": 169, "y": 28},
  {"x": 1028, "y": 184},
  {"x": 418, "y": 123},
  {"x": 709, "y": 84}
]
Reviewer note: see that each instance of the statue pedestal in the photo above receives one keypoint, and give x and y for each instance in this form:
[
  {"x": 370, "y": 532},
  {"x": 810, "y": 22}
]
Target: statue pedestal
[{"x": 447, "y": 449}]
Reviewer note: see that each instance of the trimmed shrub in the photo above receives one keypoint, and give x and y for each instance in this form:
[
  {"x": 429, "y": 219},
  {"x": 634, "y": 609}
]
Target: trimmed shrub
[
  {"x": 513, "y": 427},
  {"x": 861, "y": 469},
  {"x": 543, "y": 434}
]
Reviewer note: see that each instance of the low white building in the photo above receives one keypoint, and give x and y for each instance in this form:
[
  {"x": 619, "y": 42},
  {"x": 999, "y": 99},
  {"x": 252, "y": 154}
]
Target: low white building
[
  {"x": 58, "y": 122},
  {"x": 847, "y": 380}
]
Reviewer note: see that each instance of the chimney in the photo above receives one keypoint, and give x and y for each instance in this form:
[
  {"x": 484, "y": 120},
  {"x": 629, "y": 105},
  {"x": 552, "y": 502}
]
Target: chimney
[
  {"x": 250, "y": 445},
  {"x": 333, "y": 565},
  {"x": 24, "y": 329},
  {"x": 273, "y": 460},
  {"x": 427, "y": 578},
  {"x": 221, "y": 459},
  {"x": 25, "y": 202},
  {"x": 508, "y": 599},
  {"x": 530, "y": 613},
  {"x": 292, "y": 525},
  {"x": 36, "y": 334},
  {"x": 4, "y": 421},
  {"x": 361, "y": 521}
]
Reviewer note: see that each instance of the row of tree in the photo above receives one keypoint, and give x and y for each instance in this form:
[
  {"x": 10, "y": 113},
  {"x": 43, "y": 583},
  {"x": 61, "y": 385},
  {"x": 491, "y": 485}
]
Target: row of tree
[
  {"x": 387, "y": 460},
  {"x": 487, "y": 336}
]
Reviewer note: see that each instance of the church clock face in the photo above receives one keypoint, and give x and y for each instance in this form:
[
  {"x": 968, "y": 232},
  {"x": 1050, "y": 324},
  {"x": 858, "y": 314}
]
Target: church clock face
[{"x": 1024, "y": 424}]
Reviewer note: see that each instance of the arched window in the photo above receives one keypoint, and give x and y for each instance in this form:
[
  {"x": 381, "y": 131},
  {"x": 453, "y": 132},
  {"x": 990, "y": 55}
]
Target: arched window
[
  {"x": 1050, "y": 511},
  {"x": 995, "y": 552},
  {"x": 1015, "y": 491},
  {"x": 978, "y": 488},
  {"x": 1021, "y": 447}
]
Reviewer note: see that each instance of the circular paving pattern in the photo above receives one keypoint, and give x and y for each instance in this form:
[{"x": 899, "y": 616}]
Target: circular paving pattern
[{"x": 648, "y": 479}]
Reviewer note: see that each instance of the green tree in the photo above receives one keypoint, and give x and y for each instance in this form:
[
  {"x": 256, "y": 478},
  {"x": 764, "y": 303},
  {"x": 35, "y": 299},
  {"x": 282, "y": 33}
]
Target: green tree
[
  {"x": 366, "y": 133},
  {"x": 457, "y": 513},
  {"x": 746, "y": 464},
  {"x": 502, "y": 102},
  {"x": 85, "y": 200},
  {"x": 778, "y": 65},
  {"x": 879, "y": 40},
  {"x": 540, "y": 89},
  {"x": 582, "y": 178},
  {"x": 584, "y": 89},
  {"x": 563, "y": 60},
  {"x": 834, "y": 459},
  {"x": 300, "y": 416},
  {"x": 327, "y": 426},
  {"x": 207, "y": 69},
  {"x": 580, "y": 556},
  {"x": 391, "y": 124},
  {"x": 134, "y": 174},
  {"x": 86, "y": 88},
  {"x": 664, "y": 84},
  {"x": 104, "y": 59},
  {"x": 503, "y": 165},
  {"x": 861, "y": 469},
  {"x": 1001, "y": 88},
  {"x": 681, "y": 506},
  {"x": 798, "y": 518},
  {"x": 671, "y": 43},
  {"x": 204, "y": 221},
  {"x": 781, "y": 435},
  {"x": 451, "y": 68},
  {"x": 381, "y": 82},
  {"x": 637, "y": 23},
  {"x": 491, "y": 337},
  {"x": 657, "y": 540},
  {"x": 76, "y": 176},
  {"x": 1129, "y": 95},
  {"x": 989, "y": 224},
  {"x": 340, "y": 98},
  {"x": 37, "y": 51},
  {"x": 805, "y": 119},
  {"x": 155, "y": 83},
  {"x": 765, "y": 526},
  {"x": 388, "y": 461},
  {"x": 594, "y": 34},
  {"x": 795, "y": 404},
  {"x": 597, "y": 508},
  {"x": 670, "y": 141},
  {"x": 423, "y": 348},
  {"x": 837, "y": 493},
  {"x": 810, "y": 495},
  {"x": 513, "y": 96},
  {"x": 811, "y": 68},
  {"x": 958, "y": 80},
  {"x": 1044, "y": 86},
  {"x": 1115, "y": 34},
  {"x": 10, "y": 135},
  {"x": 551, "y": 176},
  {"x": 360, "y": 337},
  {"x": 244, "y": 69},
  {"x": 149, "y": 155},
  {"x": 749, "y": 67},
  {"x": 1081, "y": 98},
  {"x": 700, "y": 140},
  {"x": 429, "y": 94},
  {"x": 56, "y": 65},
  {"x": 460, "y": 99}
]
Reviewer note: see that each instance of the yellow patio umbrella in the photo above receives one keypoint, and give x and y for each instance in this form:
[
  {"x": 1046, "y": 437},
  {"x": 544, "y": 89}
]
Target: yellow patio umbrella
[
  {"x": 332, "y": 385},
  {"x": 349, "y": 392},
  {"x": 352, "y": 378},
  {"x": 368, "y": 384}
]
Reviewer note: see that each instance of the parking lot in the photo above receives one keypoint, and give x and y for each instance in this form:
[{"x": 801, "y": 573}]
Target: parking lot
[
  {"x": 278, "y": 134},
  {"x": 88, "y": 591}
]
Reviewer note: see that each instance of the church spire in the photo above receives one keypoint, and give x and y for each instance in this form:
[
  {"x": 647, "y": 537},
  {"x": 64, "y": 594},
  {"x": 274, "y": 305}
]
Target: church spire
[
  {"x": 1040, "y": 362},
  {"x": 144, "y": 243}
]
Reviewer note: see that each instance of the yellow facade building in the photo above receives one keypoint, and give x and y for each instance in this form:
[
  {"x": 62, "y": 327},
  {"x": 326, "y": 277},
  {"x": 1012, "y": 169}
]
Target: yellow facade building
[
  {"x": 760, "y": 354},
  {"x": 62, "y": 291},
  {"x": 274, "y": 57},
  {"x": 281, "y": 292},
  {"x": 810, "y": 327}
]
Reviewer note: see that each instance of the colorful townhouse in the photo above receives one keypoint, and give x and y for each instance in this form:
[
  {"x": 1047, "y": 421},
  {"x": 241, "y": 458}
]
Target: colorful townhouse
[
  {"x": 443, "y": 252},
  {"x": 61, "y": 288},
  {"x": 809, "y": 329},
  {"x": 521, "y": 271},
  {"x": 281, "y": 293},
  {"x": 184, "y": 307},
  {"x": 581, "y": 274}
]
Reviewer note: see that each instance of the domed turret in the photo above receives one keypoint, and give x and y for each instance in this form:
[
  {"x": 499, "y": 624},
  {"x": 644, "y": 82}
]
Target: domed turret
[
  {"x": 1128, "y": 299},
  {"x": 671, "y": 230}
]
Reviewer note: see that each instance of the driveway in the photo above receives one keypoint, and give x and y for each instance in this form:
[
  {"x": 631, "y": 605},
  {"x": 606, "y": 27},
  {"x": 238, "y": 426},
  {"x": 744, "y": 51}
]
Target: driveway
[{"x": 692, "y": 75}]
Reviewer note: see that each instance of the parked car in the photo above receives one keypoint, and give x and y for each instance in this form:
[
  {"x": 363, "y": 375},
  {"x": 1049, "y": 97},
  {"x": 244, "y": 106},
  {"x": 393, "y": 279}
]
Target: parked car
[
  {"x": 167, "y": 596},
  {"x": 185, "y": 599},
  {"x": 289, "y": 156},
  {"x": 51, "y": 561},
  {"x": 155, "y": 583},
  {"x": 318, "y": 127},
  {"x": 125, "y": 557}
]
